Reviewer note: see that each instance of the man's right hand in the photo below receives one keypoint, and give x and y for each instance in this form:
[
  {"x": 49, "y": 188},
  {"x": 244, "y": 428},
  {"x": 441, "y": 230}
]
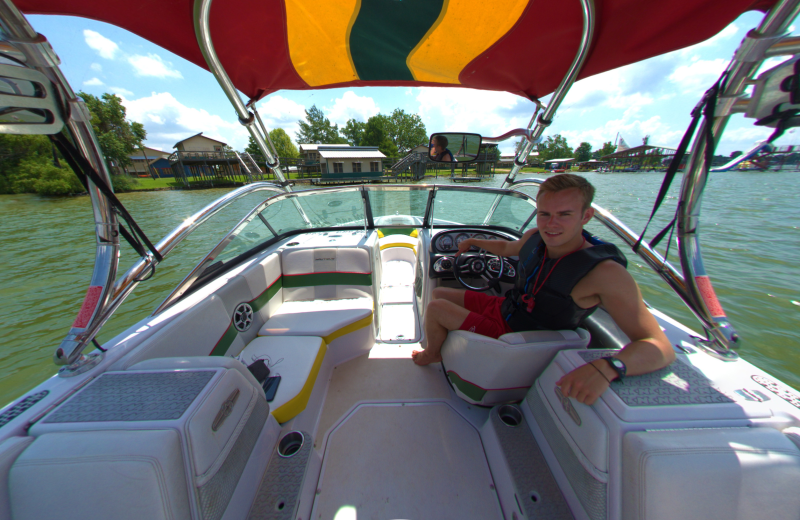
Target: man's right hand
[{"x": 464, "y": 246}]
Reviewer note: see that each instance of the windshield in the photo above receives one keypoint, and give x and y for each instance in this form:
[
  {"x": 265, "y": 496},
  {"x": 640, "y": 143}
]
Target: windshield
[{"x": 470, "y": 207}]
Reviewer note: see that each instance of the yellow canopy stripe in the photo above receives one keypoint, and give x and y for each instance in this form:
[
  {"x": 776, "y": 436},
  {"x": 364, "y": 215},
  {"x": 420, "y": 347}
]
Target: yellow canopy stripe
[
  {"x": 319, "y": 39},
  {"x": 464, "y": 30}
]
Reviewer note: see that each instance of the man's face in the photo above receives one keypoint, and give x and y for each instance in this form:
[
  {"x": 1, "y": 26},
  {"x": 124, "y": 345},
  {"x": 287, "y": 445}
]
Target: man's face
[{"x": 560, "y": 218}]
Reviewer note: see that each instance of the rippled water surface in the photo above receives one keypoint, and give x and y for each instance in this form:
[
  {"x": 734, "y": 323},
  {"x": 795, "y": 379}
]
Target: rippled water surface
[{"x": 749, "y": 232}]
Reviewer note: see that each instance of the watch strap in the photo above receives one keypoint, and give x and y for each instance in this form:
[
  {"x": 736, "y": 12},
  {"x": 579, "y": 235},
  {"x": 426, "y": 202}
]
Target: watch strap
[{"x": 617, "y": 365}]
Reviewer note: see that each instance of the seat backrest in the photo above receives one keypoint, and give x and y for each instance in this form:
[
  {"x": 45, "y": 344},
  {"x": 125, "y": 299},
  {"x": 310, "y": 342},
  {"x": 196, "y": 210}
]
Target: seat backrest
[
  {"x": 326, "y": 273},
  {"x": 9, "y": 451},
  {"x": 490, "y": 371}
]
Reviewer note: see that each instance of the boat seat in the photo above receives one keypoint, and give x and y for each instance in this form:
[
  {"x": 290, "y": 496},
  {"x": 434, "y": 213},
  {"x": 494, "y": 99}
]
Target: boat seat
[
  {"x": 489, "y": 371},
  {"x": 297, "y": 359},
  {"x": 327, "y": 293},
  {"x": 398, "y": 259},
  {"x": 327, "y": 319},
  {"x": 10, "y": 449}
]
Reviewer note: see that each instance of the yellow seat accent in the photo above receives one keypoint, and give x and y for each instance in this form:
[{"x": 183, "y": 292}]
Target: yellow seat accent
[
  {"x": 298, "y": 403},
  {"x": 414, "y": 234},
  {"x": 399, "y": 244},
  {"x": 360, "y": 324},
  {"x": 380, "y": 233}
]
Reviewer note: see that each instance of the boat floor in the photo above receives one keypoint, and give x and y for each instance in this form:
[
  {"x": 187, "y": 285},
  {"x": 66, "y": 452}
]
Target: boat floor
[{"x": 429, "y": 461}]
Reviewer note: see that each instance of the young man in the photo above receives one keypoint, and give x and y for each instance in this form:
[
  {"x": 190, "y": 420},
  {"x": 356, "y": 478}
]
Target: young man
[{"x": 562, "y": 277}]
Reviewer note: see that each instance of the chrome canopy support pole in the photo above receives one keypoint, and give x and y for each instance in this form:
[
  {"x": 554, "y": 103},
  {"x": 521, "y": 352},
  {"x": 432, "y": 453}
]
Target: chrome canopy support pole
[
  {"x": 721, "y": 334},
  {"x": 40, "y": 56},
  {"x": 546, "y": 118},
  {"x": 202, "y": 30}
]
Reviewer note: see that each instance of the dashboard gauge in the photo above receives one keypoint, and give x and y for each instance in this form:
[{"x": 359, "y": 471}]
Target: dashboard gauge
[
  {"x": 494, "y": 265},
  {"x": 478, "y": 236},
  {"x": 445, "y": 243},
  {"x": 461, "y": 237}
]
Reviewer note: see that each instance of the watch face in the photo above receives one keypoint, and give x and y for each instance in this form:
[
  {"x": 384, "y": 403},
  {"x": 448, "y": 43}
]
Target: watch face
[{"x": 617, "y": 363}]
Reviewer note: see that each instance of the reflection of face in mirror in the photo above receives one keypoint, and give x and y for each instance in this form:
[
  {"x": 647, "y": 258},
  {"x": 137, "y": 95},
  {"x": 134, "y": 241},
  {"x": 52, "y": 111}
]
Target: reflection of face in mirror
[
  {"x": 439, "y": 151},
  {"x": 454, "y": 147}
]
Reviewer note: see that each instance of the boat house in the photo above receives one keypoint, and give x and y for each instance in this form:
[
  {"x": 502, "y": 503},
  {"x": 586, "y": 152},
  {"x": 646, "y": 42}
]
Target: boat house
[
  {"x": 200, "y": 143},
  {"x": 149, "y": 162},
  {"x": 310, "y": 151},
  {"x": 559, "y": 164},
  {"x": 341, "y": 162}
]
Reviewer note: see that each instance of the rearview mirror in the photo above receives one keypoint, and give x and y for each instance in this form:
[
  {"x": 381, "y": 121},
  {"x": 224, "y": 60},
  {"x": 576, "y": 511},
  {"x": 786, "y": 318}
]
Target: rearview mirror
[{"x": 454, "y": 147}]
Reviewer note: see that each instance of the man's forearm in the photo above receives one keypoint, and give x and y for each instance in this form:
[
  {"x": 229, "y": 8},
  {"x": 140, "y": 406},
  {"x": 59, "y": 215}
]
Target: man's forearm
[{"x": 644, "y": 356}]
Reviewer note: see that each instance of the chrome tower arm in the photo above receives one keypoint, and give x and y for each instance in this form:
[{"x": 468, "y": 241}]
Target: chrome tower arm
[
  {"x": 721, "y": 334},
  {"x": 40, "y": 56}
]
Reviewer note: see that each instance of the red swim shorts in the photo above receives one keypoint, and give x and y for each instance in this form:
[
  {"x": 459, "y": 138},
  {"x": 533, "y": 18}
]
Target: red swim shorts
[{"x": 485, "y": 317}]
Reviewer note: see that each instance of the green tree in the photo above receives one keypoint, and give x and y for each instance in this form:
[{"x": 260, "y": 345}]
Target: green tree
[
  {"x": 607, "y": 149},
  {"x": 376, "y": 134},
  {"x": 118, "y": 137},
  {"x": 283, "y": 145},
  {"x": 353, "y": 132},
  {"x": 406, "y": 130},
  {"x": 554, "y": 147},
  {"x": 736, "y": 154},
  {"x": 316, "y": 128},
  {"x": 583, "y": 152}
]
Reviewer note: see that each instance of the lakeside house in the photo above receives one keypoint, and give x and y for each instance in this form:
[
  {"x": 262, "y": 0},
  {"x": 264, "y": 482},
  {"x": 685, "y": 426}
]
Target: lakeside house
[
  {"x": 199, "y": 143},
  {"x": 350, "y": 161},
  {"x": 310, "y": 152},
  {"x": 149, "y": 162}
]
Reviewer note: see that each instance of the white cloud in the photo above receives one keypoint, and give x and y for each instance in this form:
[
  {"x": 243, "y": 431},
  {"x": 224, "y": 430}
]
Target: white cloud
[
  {"x": 280, "y": 112},
  {"x": 153, "y": 65},
  {"x": 167, "y": 120},
  {"x": 104, "y": 47},
  {"x": 96, "y": 67},
  {"x": 121, "y": 91},
  {"x": 466, "y": 110},
  {"x": 94, "y": 82},
  {"x": 631, "y": 128},
  {"x": 698, "y": 76},
  {"x": 748, "y": 134},
  {"x": 351, "y": 106}
]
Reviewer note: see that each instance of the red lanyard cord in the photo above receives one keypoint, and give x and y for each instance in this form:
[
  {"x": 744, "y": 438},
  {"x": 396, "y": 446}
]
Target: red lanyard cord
[{"x": 530, "y": 299}]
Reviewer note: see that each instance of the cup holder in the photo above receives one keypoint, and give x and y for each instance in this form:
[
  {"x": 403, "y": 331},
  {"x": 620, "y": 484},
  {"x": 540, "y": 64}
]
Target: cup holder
[
  {"x": 290, "y": 444},
  {"x": 510, "y": 415}
]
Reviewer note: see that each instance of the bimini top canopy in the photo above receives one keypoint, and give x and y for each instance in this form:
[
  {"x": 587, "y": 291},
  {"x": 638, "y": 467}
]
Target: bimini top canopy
[{"x": 520, "y": 46}]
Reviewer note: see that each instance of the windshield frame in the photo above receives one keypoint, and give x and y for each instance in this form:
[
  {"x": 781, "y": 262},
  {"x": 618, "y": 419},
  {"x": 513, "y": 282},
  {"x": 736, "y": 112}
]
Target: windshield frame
[{"x": 207, "y": 269}]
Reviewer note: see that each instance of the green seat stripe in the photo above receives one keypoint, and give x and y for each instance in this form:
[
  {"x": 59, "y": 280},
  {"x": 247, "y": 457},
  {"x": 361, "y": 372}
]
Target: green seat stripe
[
  {"x": 475, "y": 393},
  {"x": 385, "y": 33},
  {"x": 306, "y": 280},
  {"x": 267, "y": 295},
  {"x": 225, "y": 341}
]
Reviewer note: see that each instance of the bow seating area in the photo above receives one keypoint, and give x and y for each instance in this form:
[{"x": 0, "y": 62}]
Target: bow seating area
[
  {"x": 398, "y": 264},
  {"x": 293, "y": 308}
]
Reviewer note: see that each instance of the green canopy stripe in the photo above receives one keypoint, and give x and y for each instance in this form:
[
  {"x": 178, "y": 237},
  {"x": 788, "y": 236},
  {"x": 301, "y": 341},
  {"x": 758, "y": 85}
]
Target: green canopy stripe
[{"x": 385, "y": 33}]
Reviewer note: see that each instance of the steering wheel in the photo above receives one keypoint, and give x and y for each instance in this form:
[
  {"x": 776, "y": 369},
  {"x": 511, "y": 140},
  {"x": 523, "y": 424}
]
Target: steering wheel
[{"x": 476, "y": 265}]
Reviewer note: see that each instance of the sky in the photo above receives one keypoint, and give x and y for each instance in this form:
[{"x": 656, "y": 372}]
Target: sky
[{"x": 175, "y": 99}]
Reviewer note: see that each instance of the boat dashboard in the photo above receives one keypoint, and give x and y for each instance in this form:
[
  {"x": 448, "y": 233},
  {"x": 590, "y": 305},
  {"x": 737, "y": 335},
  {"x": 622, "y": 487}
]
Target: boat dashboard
[{"x": 444, "y": 246}]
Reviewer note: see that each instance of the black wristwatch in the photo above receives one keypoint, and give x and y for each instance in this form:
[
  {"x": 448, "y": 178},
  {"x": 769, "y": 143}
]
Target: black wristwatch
[{"x": 617, "y": 365}]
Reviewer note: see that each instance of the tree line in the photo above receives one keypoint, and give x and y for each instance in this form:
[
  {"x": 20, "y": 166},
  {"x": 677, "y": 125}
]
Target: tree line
[
  {"x": 556, "y": 147},
  {"x": 31, "y": 164}
]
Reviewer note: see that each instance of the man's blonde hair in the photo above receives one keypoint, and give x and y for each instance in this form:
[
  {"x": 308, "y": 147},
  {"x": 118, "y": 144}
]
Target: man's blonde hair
[{"x": 565, "y": 181}]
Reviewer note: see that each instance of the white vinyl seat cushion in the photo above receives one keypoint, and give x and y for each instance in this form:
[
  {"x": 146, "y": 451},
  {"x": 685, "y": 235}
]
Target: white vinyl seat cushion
[
  {"x": 397, "y": 272},
  {"x": 490, "y": 371},
  {"x": 397, "y": 294},
  {"x": 328, "y": 319},
  {"x": 297, "y": 359},
  {"x": 131, "y": 474},
  {"x": 721, "y": 473}
]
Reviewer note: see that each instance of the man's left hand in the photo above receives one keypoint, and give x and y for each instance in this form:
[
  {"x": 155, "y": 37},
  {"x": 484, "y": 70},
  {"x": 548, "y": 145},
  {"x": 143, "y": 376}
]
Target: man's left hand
[{"x": 586, "y": 383}]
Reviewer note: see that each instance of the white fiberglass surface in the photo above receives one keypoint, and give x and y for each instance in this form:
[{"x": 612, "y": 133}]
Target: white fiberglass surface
[
  {"x": 405, "y": 460},
  {"x": 399, "y": 323}
]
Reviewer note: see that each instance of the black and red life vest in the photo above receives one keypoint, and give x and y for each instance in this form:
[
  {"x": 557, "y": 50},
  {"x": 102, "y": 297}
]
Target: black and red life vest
[{"x": 554, "y": 308}]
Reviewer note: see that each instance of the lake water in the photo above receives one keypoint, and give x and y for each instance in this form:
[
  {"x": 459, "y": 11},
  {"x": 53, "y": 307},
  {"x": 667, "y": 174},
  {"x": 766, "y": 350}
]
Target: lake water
[{"x": 749, "y": 231}]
